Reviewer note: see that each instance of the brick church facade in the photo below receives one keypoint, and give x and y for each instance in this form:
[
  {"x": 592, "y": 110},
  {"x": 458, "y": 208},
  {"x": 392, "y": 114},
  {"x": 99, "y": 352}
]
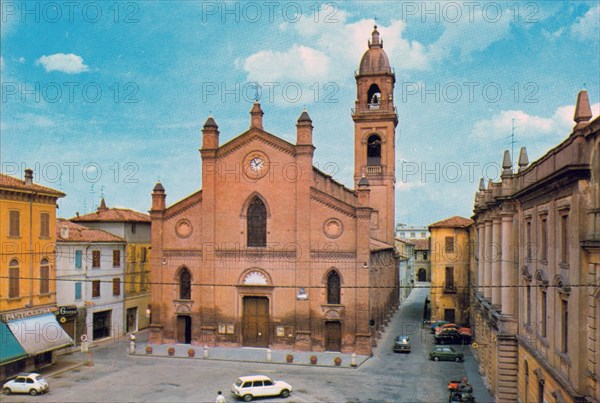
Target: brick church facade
[{"x": 272, "y": 252}]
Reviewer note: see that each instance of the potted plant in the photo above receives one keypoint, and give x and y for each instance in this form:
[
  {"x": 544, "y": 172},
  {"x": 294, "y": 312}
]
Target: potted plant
[
  {"x": 171, "y": 350},
  {"x": 313, "y": 359},
  {"x": 289, "y": 358},
  {"x": 148, "y": 349},
  {"x": 337, "y": 361},
  {"x": 191, "y": 353}
]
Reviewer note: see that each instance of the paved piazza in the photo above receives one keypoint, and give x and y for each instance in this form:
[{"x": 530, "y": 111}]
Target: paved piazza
[{"x": 385, "y": 377}]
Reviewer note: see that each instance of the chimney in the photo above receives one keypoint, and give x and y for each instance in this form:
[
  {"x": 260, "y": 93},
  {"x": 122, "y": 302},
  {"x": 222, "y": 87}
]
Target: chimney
[
  {"x": 28, "y": 177},
  {"x": 64, "y": 232},
  {"x": 102, "y": 206},
  {"x": 256, "y": 115}
]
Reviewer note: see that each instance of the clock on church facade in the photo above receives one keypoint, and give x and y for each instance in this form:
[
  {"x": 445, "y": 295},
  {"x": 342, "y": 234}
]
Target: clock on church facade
[{"x": 255, "y": 259}]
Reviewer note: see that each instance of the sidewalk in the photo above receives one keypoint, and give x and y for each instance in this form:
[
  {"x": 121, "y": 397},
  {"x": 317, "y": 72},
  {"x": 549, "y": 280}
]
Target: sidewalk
[
  {"x": 480, "y": 391},
  {"x": 248, "y": 354}
]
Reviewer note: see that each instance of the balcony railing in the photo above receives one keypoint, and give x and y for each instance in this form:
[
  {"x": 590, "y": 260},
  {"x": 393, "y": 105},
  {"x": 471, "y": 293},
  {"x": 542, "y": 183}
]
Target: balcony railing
[
  {"x": 449, "y": 288},
  {"x": 373, "y": 169},
  {"x": 370, "y": 108}
]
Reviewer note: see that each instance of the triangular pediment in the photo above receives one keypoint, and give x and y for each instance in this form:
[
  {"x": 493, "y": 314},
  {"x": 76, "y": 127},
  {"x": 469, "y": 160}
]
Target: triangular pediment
[{"x": 255, "y": 135}]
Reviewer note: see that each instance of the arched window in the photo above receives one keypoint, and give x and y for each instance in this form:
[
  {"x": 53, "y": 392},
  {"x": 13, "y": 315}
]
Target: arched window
[
  {"x": 374, "y": 97},
  {"x": 374, "y": 150},
  {"x": 13, "y": 279},
  {"x": 257, "y": 223},
  {"x": 44, "y": 276},
  {"x": 185, "y": 284},
  {"x": 333, "y": 287}
]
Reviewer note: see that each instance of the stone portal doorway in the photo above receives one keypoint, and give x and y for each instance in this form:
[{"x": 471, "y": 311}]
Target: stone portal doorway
[
  {"x": 255, "y": 323},
  {"x": 422, "y": 275}
]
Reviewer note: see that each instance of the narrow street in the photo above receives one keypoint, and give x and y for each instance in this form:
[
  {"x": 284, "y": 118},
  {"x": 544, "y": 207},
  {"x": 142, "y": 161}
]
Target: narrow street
[{"x": 385, "y": 377}]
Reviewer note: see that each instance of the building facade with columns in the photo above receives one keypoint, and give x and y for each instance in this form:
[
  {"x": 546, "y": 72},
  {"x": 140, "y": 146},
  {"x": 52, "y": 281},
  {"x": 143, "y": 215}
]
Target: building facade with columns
[
  {"x": 271, "y": 251},
  {"x": 536, "y": 300}
]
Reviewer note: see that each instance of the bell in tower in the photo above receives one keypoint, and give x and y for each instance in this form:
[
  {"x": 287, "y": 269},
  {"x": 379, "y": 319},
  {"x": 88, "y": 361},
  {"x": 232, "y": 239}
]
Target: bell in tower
[{"x": 375, "y": 122}]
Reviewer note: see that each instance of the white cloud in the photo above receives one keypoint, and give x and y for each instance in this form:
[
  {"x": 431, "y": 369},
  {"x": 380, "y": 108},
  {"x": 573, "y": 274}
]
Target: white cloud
[
  {"x": 299, "y": 62},
  {"x": 340, "y": 43},
  {"x": 588, "y": 26},
  {"x": 528, "y": 126},
  {"x": 22, "y": 60},
  {"x": 1, "y": 62},
  {"x": 66, "y": 63}
]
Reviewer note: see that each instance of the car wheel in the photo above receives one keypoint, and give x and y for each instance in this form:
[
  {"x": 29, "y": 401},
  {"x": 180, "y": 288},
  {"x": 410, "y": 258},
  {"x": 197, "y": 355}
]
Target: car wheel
[
  {"x": 247, "y": 398},
  {"x": 284, "y": 393},
  {"x": 436, "y": 358},
  {"x": 457, "y": 359},
  {"x": 33, "y": 392},
  {"x": 6, "y": 391}
]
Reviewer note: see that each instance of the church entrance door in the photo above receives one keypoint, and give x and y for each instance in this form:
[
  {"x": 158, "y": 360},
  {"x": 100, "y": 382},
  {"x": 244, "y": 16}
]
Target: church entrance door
[
  {"x": 184, "y": 329},
  {"x": 333, "y": 336},
  {"x": 422, "y": 274},
  {"x": 255, "y": 323}
]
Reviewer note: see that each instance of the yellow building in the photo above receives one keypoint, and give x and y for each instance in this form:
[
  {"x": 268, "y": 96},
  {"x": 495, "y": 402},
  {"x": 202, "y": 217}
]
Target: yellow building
[
  {"x": 450, "y": 269},
  {"x": 27, "y": 274}
]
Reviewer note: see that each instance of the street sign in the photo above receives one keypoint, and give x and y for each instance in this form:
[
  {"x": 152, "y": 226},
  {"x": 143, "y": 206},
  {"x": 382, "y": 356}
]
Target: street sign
[{"x": 70, "y": 310}]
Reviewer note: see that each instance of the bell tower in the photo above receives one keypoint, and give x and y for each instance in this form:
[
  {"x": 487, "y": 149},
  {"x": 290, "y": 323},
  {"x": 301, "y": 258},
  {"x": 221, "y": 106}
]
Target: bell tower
[{"x": 375, "y": 122}]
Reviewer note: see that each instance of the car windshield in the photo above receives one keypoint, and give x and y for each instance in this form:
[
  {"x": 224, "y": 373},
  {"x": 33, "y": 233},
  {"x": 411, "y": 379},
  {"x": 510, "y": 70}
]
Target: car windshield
[
  {"x": 238, "y": 382},
  {"x": 39, "y": 378}
]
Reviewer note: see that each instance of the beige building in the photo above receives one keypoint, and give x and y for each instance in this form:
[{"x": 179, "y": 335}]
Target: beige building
[
  {"x": 537, "y": 300},
  {"x": 272, "y": 252},
  {"x": 450, "y": 253},
  {"x": 134, "y": 228}
]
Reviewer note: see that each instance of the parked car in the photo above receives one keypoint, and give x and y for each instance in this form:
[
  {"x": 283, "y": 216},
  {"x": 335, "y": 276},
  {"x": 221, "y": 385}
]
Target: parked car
[
  {"x": 437, "y": 324},
  {"x": 26, "y": 383},
  {"x": 446, "y": 326},
  {"x": 249, "y": 387},
  {"x": 451, "y": 336},
  {"x": 445, "y": 353},
  {"x": 402, "y": 344}
]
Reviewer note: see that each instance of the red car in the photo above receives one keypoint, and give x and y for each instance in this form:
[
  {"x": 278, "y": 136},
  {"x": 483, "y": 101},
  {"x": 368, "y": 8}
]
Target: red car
[{"x": 446, "y": 326}]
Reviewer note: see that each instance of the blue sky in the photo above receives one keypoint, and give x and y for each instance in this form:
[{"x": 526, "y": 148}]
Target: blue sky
[{"x": 114, "y": 94}]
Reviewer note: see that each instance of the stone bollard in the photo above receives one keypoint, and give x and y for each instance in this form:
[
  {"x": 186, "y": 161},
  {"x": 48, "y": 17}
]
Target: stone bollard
[
  {"x": 205, "y": 351},
  {"x": 132, "y": 344},
  {"x": 268, "y": 355},
  {"x": 353, "y": 360}
]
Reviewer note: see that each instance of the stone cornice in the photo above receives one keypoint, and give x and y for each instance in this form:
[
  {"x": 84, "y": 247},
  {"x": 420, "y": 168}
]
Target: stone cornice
[
  {"x": 332, "y": 202},
  {"x": 183, "y": 205}
]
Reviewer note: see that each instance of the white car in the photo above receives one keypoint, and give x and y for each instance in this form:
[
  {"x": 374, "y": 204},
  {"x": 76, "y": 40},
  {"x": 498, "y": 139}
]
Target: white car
[
  {"x": 26, "y": 383},
  {"x": 248, "y": 387}
]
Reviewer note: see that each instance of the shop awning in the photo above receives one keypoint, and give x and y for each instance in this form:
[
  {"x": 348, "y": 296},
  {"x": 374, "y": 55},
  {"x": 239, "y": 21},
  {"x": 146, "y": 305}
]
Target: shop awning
[
  {"x": 11, "y": 349},
  {"x": 38, "y": 334}
]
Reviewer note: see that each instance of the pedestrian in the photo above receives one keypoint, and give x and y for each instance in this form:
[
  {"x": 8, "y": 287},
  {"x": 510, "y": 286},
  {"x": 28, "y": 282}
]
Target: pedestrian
[{"x": 220, "y": 398}]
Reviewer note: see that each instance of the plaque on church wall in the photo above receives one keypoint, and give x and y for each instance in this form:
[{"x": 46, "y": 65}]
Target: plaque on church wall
[
  {"x": 333, "y": 228},
  {"x": 183, "y": 228}
]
